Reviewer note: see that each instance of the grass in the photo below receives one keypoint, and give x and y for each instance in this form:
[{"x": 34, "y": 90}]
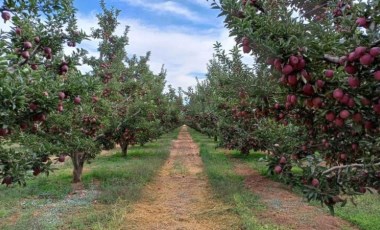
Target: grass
[
  {"x": 227, "y": 185},
  {"x": 365, "y": 215},
  {"x": 111, "y": 182}
]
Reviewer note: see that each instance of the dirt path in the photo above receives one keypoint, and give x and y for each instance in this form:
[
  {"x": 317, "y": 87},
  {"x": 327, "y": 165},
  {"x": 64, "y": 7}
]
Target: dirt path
[
  {"x": 180, "y": 196},
  {"x": 286, "y": 209}
]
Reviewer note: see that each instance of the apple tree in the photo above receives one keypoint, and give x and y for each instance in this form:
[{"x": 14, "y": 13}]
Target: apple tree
[{"x": 325, "y": 55}]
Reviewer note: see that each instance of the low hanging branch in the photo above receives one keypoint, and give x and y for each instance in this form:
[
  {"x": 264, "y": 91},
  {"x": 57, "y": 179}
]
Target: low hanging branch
[
  {"x": 347, "y": 166},
  {"x": 331, "y": 58}
]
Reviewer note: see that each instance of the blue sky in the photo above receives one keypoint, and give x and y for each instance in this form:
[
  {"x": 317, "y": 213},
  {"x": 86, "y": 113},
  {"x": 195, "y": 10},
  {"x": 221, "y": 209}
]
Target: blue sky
[{"x": 179, "y": 33}]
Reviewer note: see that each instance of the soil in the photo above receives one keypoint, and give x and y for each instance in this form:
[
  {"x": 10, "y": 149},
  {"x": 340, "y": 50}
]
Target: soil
[
  {"x": 285, "y": 208},
  {"x": 180, "y": 196}
]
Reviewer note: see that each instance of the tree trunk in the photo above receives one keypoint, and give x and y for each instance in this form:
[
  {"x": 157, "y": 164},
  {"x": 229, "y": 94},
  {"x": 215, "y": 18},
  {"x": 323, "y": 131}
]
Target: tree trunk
[
  {"x": 124, "y": 148},
  {"x": 78, "y": 162},
  {"x": 215, "y": 138},
  {"x": 245, "y": 151}
]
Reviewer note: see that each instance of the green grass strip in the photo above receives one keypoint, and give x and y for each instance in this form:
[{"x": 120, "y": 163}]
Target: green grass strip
[{"x": 227, "y": 185}]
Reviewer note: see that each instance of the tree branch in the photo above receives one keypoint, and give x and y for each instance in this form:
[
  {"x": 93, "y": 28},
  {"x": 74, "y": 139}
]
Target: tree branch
[
  {"x": 331, "y": 58},
  {"x": 347, "y": 166}
]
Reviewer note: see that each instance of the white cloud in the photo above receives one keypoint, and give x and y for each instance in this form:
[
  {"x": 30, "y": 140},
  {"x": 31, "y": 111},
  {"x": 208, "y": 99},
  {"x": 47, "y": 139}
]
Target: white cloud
[
  {"x": 166, "y": 7},
  {"x": 181, "y": 51}
]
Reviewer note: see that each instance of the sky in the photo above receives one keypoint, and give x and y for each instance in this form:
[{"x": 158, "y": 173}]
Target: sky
[{"x": 180, "y": 34}]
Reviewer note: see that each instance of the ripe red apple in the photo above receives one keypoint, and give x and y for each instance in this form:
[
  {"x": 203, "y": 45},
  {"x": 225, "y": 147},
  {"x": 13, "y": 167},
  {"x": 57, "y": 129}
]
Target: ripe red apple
[
  {"x": 308, "y": 89},
  {"x": 329, "y": 73},
  {"x": 5, "y": 15},
  {"x": 376, "y": 108},
  {"x": 25, "y": 54},
  {"x": 353, "y": 82},
  {"x": 350, "y": 69},
  {"x": 360, "y": 51},
  {"x": 23, "y": 126},
  {"x": 362, "y": 189},
  {"x": 33, "y": 106},
  {"x": 47, "y": 50},
  {"x": 351, "y": 102},
  {"x": 343, "y": 156},
  {"x": 374, "y": 51},
  {"x": 357, "y": 117},
  {"x": 338, "y": 93},
  {"x": 278, "y": 169},
  {"x": 3, "y": 132},
  {"x": 77, "y": 100},
  {"x": 287, "y": 69},
  {"x": 361, "y": 21},
  {"x": 34, "y": 66},
  {"x": 301, "y": 63},
  {"x": 27, "y": 45},
  {"x": 376, "y": 75},
  {"x": 61, "y": 95},
  {"x": 292, "y": 80},
  {"x": 366, "y": 59},
  {"x": 64, "y": 68},
  {"x": 7, "y": 180},
  {"x": 339, "y": 122},
  {"x": 61, "y": 158},
  {"x": 60, "y": 108},
  {"x": 37, "y": 40},
  {"x": 277, "y": 64},
  {"x": 344, "y": 114},
  {"x": 315, "y": 182},
  {"x": 365, "y": 101},
  {"x": 368, "y": 125},
  {"x": 245, "y": 41},
  {"x": 353, "y": 56},
  {"x": 320, "y": 83},
  {"x": 246, "y": 49},
  {"x": 317, "y": 102},
  {"x": 330, "y": 116},
  {"x": 18, "y": 31},
  {"x": 282, "y": 160},
  {"x": 293, "y": 61},
  {"x": 293, "y": 99}
]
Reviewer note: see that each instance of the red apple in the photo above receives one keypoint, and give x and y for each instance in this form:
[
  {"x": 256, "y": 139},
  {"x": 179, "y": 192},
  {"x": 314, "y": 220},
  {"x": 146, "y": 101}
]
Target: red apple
[
  {"x": 329, "y": 73},
  {"x": 278, "y": 169},
  {"x": 360, "y": 51},
  {"x": 282, "y": 160},
  {"x": 315, "y": 182},
  {"x": 292, "y": 80},
  {"x": 357, "y": 117},
  {"x": 308, "y": 89},
  {"x": 366, "y": 59},
  {"x": 344, "y": 114},
  {"x": 287, "y": 69},
  {"x": 77, "y": 100},
  {"x": 27, "y": 45},
  {"x": 374, "y": 51},
  {"x": 376, "y": 75},
  {"x": 361, "y": 22},
  {"x": 350, "y": 69},
  {"x": 330, "y": 116},
  {"x": 338, "y": 93},
  {"x": 5, "y": 15},
  {"x": 353, "y": 82}
]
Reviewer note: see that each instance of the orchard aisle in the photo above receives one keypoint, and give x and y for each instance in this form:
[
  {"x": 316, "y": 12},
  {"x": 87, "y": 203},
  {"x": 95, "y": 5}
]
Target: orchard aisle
[{"x": 180, "y": 196}]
